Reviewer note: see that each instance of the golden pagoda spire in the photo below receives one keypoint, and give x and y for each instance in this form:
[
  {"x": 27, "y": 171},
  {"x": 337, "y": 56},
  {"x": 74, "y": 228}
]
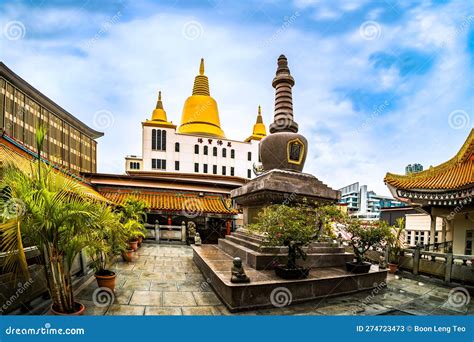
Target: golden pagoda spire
[
  {"x": 201, "y": 83},
  {"x": 159, "y": 113},
  {"x": 259, "y": 130},
  {"x": 200, "y": 114}
]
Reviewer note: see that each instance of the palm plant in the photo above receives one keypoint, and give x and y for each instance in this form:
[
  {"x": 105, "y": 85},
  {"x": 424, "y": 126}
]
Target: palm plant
[
  {"x": 395, "y": 241},
  {"x": 108, "y": 240},
  {"x": 133, "y": 217},
  {"x": 56, "y": 214}
]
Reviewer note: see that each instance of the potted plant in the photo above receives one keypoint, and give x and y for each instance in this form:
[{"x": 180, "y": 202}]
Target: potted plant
[
  {"x": 294, "y": 227},
  {"x": 133, "y": 217},
  {"x": 55, "y": 213},
  {"x": 395, "y": 244},
  {"x": 108, "y": 240},
  {"x": 364, "y": 236}
]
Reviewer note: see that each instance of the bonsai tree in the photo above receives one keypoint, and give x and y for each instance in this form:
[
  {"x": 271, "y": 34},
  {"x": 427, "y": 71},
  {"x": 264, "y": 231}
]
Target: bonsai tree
[
  {"x": 366, "y": 235},
  {"x": 294, "y": 227}
]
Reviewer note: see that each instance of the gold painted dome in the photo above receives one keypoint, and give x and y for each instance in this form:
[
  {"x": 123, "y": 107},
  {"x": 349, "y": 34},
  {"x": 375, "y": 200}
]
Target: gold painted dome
[
  {"x": 259, "y": 130},
  {"x": 200, "y": 114}
]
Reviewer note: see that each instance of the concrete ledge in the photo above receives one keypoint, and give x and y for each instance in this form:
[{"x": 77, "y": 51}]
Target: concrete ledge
[{"x": 322, "y": 282}]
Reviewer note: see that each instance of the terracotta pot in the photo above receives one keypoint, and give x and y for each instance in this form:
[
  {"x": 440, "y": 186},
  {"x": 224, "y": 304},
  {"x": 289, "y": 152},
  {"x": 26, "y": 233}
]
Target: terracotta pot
[
  {"x": 79, "y": 310},
  {"x": 392, "y": 268},
  {"x": 128, "y": 255},
  {"x": 133, "y": 245},
  {"x": 106, "y": 280}
]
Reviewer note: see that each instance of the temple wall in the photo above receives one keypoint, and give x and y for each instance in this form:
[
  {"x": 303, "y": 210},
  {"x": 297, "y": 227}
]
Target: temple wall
[{"x": 461, "y": 225}]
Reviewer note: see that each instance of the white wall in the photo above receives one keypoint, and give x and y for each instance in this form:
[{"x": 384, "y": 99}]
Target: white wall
[{"x": 187, "y": 158}]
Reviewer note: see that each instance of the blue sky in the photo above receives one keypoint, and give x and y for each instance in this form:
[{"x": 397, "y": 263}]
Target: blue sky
[{"x": 379, "y": 84}]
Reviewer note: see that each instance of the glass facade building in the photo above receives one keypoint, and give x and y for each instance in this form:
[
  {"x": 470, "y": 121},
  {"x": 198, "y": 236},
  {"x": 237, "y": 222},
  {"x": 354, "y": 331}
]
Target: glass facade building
[{"x": 69, "y": 142}]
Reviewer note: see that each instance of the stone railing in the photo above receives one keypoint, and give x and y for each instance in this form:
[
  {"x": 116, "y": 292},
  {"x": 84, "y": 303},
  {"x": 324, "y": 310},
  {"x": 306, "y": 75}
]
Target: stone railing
[{"x": 447, "y": 266}]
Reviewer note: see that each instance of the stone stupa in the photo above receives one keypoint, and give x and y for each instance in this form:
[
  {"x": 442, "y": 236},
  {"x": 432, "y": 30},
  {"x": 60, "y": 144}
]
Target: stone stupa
[{"x": 283, "y": 153}]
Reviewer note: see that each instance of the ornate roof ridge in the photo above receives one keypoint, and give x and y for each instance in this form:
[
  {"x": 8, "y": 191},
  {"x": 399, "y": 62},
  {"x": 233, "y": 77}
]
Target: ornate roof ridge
[{"x": 462, "y": 156}]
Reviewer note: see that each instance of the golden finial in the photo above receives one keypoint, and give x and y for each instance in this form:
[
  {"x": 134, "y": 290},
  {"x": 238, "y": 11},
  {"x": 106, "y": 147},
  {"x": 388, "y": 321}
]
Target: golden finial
[
  {"x": 159, "y": 104},
  {"x": 201, "y": 67},
  {"x": 259, "y": 116}
]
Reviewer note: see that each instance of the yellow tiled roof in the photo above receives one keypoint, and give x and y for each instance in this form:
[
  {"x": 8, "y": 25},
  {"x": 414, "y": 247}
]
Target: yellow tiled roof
[
  {"x": 458, "y": 172},
  {"x": 7, "y": 155},
  {"x": 186, "y": 203}
]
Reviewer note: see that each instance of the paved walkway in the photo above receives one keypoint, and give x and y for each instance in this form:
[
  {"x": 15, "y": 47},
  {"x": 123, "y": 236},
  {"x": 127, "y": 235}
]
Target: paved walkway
[{"x": 163, "y": 280}]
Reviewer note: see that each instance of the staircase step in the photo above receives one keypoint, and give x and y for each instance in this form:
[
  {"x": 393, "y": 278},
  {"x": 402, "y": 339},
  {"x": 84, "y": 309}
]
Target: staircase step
[
  {"x": 248, "y": 236},
  {"x": 256, "y": 246}
]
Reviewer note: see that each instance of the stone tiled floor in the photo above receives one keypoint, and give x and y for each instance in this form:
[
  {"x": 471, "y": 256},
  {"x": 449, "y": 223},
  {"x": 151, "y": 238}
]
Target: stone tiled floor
[{"x": 163, "y": 280}]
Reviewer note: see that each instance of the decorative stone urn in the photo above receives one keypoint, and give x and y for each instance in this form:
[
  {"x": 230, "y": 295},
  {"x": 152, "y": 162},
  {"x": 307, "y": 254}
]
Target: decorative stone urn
[{"x": 284, "y": 148}]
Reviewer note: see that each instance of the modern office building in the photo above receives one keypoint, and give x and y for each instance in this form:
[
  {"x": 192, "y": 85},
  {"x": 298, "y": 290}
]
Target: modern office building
[
  {"x": 70, "y": 143},
  {"x": 413, "y": 168},
  {"x": 364, "y": 203},
  {"x": 198, "y": 145}
]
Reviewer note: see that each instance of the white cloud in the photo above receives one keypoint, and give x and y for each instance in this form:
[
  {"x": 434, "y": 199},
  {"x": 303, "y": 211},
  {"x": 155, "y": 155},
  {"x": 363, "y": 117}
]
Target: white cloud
[{"x": 125, "y": 67}]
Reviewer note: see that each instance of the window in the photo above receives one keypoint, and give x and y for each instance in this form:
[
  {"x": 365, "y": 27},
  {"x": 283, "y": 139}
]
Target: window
[
  {"x": 134, "y": 166},
  {"x": 249, "y": 155},
  {"x": 196, "y": 167},
  {"x": 205, "y": 168},
  {"x": 158, "y": 140},
  {"x": 469, "y": 240},
  {"x": 214, "y": 169},
  {"x": 214, "y": 151},
  {"x": 176, "y": 165},
  {"x": 249, "y": 173},
  {"x": 206, "y": 150},
  {"x": 408, "y": 235},
  {"x": 196, "y": 149},
  {"x": 232, "y": 154},
  {"x": 176, "y": 147},
  {"x": 232, "y": 171},
  {"x": 158, "y": 164},
  {"x": 224, "y": 152},
  {"x": 223, "y": 170}
]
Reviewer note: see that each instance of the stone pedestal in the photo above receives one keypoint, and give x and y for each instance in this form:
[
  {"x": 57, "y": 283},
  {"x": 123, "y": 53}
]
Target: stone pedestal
[{"x": 280, "y": 186}]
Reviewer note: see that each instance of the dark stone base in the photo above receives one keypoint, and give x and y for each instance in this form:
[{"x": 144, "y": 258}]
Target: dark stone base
[
  {"x": 265, "y": 287},
  {"x": 247, "y": 247}
]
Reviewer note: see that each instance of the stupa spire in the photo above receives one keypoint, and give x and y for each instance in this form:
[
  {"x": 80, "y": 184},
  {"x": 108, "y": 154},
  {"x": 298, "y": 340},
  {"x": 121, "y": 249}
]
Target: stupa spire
[
  {"x": 201, "y": 82},
  {"x": 283, "y": 82},
  {"x": 159, "y": 104}
]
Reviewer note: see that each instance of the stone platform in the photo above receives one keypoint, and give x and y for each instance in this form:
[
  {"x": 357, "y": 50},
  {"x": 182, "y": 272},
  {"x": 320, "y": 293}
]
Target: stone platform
[
  {"x": 247, "y": 247},
  {"x": 266, "y": 290}
]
